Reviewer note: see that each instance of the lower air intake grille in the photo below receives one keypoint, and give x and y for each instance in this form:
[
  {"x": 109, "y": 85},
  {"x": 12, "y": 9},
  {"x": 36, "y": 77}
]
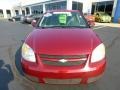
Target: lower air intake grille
[{"x": 62, "y": 81}]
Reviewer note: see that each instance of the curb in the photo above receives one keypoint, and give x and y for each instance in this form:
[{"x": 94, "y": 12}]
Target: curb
[{"x": 108, "y": 24}]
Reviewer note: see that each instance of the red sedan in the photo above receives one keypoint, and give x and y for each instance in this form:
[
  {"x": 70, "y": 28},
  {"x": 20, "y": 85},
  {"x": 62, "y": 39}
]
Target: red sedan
[
  {"x": 90, "y": 18},
  {"x": 63, "y": 49}
]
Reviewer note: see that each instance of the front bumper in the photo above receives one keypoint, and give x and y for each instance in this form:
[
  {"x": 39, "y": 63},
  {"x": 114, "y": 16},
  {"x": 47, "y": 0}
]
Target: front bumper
[
  {"x": 105, "y": 20},
  {"x": 63, "y": 75}
]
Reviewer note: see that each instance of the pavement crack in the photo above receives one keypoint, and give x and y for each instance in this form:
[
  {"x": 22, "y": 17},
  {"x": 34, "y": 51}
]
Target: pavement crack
[
  {"x": 18, "y": 76},
  {"x": 4, "y": 46},
  {"x": 11, "y": 59},
  {"x": 113, "y": 42}
]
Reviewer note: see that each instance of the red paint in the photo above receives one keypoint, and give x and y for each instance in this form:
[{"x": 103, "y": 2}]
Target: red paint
[{"x": 63, "y": 41}]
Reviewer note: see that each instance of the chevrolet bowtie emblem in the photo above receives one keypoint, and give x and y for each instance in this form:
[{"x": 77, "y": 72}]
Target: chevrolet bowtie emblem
[{"x": 62, "y": 60}]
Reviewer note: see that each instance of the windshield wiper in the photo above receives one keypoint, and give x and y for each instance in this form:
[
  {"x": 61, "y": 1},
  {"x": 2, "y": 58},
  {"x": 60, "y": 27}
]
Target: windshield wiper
[
  {"x": 77, "y": 26},
  {"x": 54, "y": 27},
  {"x": 64, "y": 27}
]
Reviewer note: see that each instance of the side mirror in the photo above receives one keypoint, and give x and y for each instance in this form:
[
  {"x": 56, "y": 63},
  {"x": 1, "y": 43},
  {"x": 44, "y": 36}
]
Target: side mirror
[
  {"x": 33, "y": 23},
  {"x": 91, "y": 23}
]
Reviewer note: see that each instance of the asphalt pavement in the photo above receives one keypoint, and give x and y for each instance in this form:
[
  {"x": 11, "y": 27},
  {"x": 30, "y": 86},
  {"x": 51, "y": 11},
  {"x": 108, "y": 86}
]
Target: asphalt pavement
[{"x": 12, "y": 35}]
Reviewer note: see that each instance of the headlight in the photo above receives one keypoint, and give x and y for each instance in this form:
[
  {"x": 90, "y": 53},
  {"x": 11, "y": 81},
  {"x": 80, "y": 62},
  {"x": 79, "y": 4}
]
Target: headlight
[
  {"x": 28, "y": 53},
  {"x": 98, "y": 53}
]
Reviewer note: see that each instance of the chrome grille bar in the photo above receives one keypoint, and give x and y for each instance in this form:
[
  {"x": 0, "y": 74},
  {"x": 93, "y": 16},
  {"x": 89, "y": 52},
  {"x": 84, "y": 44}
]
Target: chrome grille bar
[
  {"x": 62, "y": 56},
  {"x": 58, "y": 63}
]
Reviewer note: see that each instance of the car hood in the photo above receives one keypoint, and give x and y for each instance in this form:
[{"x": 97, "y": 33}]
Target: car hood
[
  {"x": 104, "y": 16},
  {"x": 62, "y": 41}
]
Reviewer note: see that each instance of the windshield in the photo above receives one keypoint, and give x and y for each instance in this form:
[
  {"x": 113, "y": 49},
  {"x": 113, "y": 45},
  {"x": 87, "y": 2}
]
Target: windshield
[{"x": 63, "y": 19}]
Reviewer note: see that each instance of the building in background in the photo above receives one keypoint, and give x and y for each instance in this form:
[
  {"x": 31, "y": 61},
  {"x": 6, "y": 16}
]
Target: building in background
[
  {"x": 86, "y": 6},
  {"x": 116, "y": 11},
  {"x": 25, "y": 7},
  {"x": 5, "y": 12},
  {"x": 9, "y": 9}
]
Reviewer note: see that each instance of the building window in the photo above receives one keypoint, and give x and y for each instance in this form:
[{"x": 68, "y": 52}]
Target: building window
[
  {"x": 77, "y": 6},
  {"x": 56, "y": 6},
  {"x": 105, "y": 6},
  {"x": 1, "y": 13},
  {"x": 8, "y": 13},
  {"x": 37, "y": 9},
  {"x": 93, "y": 8},
  {"x": 101, "y": 7},
  {"x": 23, "y": 12},
  {"x": 27, "y": 10},
  {"x": 109, "y": 7},
  {"x": 16, "y": 12}
]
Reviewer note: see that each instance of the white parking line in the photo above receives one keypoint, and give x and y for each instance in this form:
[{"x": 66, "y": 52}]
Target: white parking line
[{"x": 99, "y": 27}]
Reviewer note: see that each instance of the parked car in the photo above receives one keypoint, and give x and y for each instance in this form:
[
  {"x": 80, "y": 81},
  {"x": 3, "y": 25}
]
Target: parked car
[
  {"x": 63, "y": 49},
  {"x": 37, "y": 17},
  {"x": 27, "y": 19},
  {"x": 102, "y": 17},
  {"x": 90, "y": 18},
  {"x": 16, "y": 18}
]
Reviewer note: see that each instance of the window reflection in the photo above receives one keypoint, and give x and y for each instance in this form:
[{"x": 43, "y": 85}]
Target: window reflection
[
  {"x": 37, "y": 9},
  {"x": 56, "y": 5},
  {"x": 105, "y": 6}
]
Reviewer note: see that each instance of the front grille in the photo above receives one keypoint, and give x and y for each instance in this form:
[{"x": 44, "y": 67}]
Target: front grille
[
  {"x": 62, "y": 81},
  {"x": 62, "y": 56},
  {"x": 54, "y": 60},
  {"x": 68, "y": 63}
]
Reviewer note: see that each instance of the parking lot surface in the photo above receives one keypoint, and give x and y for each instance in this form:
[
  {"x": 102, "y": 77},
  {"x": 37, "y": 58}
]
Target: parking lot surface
[{"x": 12, "y": 35}]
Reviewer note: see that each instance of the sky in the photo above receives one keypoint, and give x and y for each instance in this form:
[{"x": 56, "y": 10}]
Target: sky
[
  {"x": 26, "y": 2},
  {"x": 10, "y": 3}
]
